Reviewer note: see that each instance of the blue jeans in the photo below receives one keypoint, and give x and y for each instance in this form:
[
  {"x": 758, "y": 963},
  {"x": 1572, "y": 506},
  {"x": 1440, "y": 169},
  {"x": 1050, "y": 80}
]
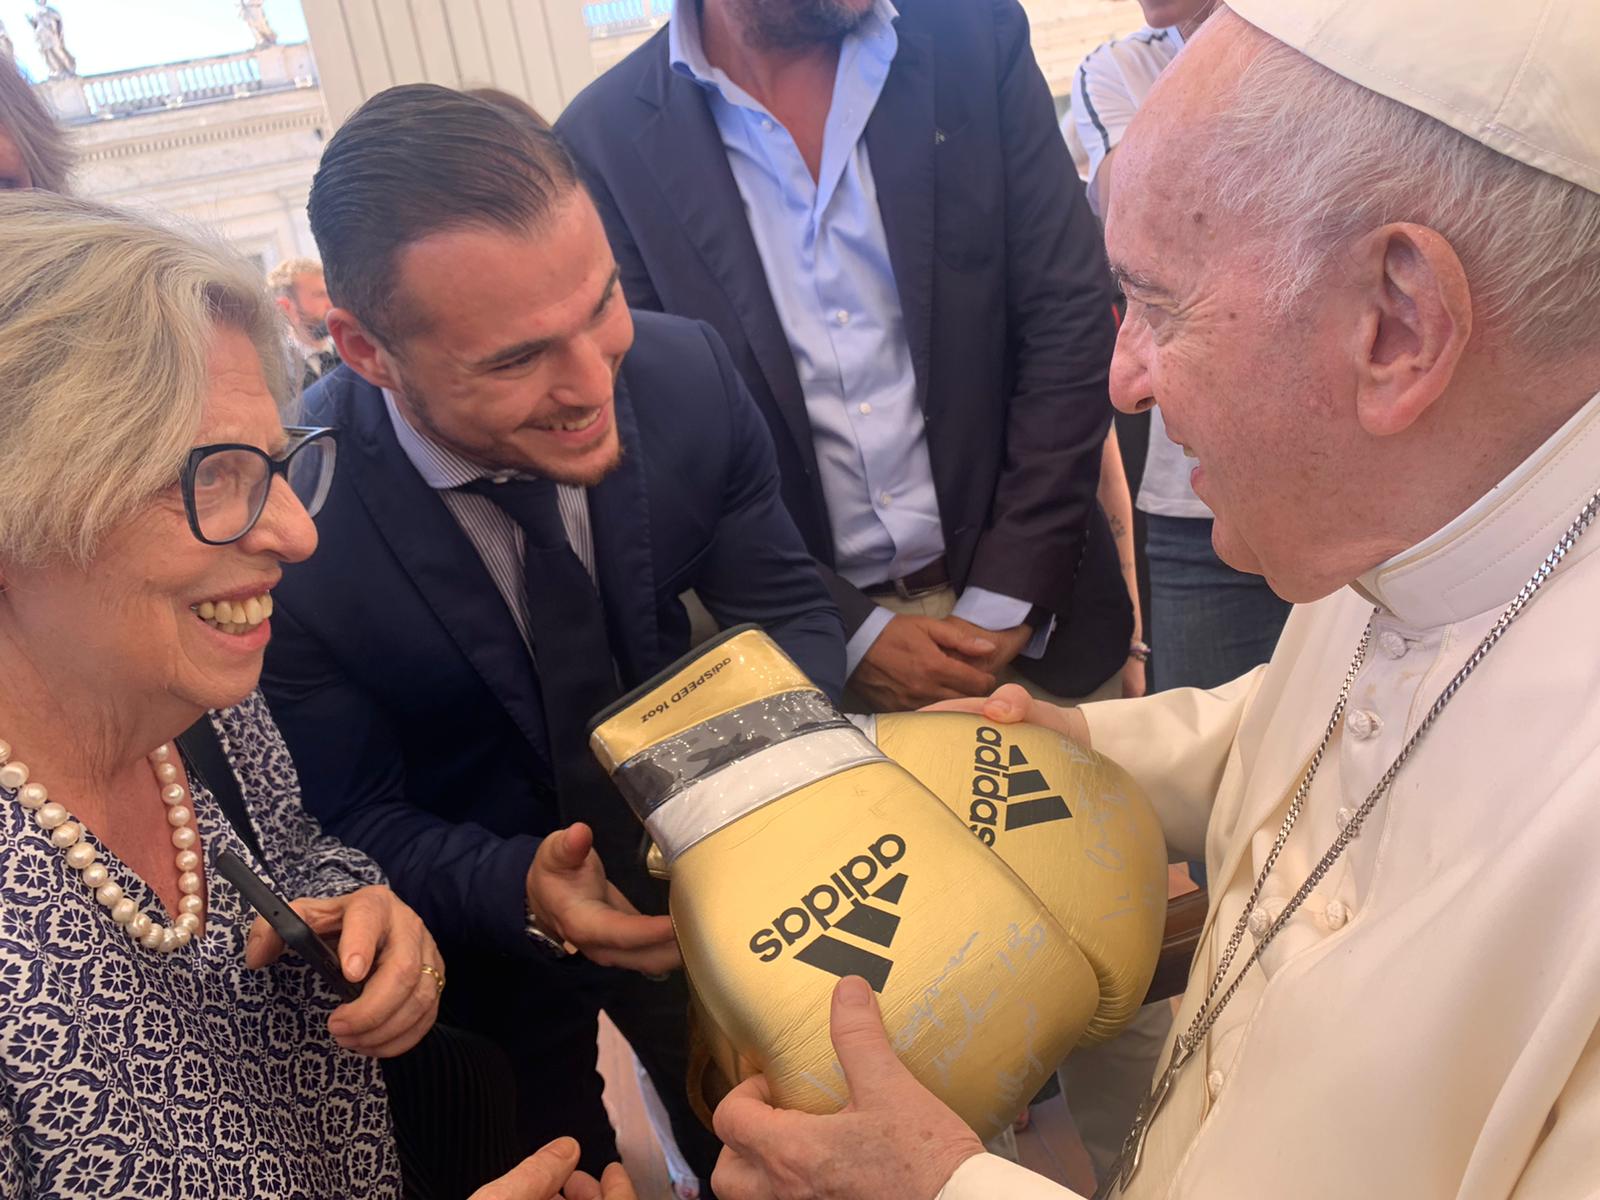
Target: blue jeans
[{"x": 1208, "y": 623}]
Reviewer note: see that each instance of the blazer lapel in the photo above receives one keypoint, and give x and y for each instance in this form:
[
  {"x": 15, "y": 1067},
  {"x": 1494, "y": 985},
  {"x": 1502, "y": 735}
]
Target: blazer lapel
[
  {"x": 683, "y": 150},
  {"x": 619, "y": 511},
  {"x": 901, "y": 142},
  {"x": 443, "y": 564}
]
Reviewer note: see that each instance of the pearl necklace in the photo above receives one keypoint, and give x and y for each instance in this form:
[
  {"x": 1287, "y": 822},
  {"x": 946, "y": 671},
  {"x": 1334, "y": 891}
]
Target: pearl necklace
[{"x": 66, "y": 834}]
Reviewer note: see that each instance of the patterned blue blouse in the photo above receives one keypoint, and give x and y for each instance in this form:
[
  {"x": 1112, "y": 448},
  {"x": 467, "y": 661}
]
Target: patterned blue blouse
[{"x": 127, "y": 1073}]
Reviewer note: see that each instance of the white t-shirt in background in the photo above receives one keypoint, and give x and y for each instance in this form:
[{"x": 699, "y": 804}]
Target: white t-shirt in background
[{"x": 1107, "y": 90}]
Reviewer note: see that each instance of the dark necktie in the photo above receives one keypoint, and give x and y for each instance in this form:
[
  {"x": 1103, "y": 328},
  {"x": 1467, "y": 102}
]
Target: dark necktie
[{"x": 572, "y": 657}]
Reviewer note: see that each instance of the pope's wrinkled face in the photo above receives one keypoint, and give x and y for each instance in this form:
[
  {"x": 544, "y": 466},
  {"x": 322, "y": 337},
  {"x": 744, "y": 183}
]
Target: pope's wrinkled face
[
  {"x": 1261, "y": 401},
  {"x": 518, "y": 340}
]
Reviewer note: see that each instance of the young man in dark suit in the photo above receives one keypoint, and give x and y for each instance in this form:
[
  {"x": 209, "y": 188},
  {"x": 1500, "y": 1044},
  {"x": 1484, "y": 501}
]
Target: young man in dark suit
[
  {"x": 530, "y": 476},
  {"x": 875, "y": 209}
]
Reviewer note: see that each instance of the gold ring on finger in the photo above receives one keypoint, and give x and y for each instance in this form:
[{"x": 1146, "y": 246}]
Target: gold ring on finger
[{"x": 438, "y": 977}]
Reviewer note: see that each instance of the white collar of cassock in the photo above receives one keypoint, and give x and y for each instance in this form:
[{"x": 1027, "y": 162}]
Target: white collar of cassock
[{"x": 1482, "y": 558}]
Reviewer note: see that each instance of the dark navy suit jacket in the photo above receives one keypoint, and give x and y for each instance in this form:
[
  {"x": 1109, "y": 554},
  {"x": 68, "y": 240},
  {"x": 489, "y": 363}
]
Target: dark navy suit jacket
[
  {"x": 399, "y": 678},
  {"x": 1001, "y": 272}
]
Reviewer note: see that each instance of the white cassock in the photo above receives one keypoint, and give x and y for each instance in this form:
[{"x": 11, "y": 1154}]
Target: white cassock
[{"x": 1428, "y": 1024}]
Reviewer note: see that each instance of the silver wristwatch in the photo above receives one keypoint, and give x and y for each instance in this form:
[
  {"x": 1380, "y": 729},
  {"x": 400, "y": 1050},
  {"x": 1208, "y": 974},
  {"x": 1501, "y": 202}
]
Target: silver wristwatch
[{"x": 553, "y": 946}]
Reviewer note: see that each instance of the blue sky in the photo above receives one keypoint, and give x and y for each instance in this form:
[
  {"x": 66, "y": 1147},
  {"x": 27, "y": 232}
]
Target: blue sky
[{"x": 118, "y": 35}]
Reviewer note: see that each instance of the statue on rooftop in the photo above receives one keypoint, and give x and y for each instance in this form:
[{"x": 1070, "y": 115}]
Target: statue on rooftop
[
  {"x": 47, "y": 33},
  {"x": 251, "y": 13}
]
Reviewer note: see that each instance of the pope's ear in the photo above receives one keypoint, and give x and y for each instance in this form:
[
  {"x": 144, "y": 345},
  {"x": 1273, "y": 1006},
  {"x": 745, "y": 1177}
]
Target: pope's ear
[{"x": 1416, "y": 320}]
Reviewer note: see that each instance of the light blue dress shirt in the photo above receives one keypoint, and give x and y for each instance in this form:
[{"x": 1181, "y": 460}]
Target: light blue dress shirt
[{"x": 826, "y": 258}]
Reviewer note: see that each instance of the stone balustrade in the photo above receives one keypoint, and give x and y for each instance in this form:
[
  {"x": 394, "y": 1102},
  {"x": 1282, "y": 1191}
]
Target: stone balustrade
[{"x": 154, "y": 89}]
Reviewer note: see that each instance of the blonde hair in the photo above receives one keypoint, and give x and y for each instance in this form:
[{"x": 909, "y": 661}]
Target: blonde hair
[
  {"x": 281, "y": 279},
  {"x": 106, "y": 322},
  {"x": 25, "y": 119}
]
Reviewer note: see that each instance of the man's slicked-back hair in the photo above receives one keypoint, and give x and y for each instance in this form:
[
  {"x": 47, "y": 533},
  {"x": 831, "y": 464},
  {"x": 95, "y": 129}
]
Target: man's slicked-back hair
[{"x": 417, "y": 160}]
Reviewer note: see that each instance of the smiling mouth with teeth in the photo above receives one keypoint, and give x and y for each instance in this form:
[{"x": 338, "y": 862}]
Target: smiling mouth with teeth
[
  {"x": 577, "y": 426},
  {"x": 234, "y": 616}
]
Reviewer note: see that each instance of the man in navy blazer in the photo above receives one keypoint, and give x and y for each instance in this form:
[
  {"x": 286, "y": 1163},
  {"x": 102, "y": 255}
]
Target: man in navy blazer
[
  {"x": 872, "y": 204},
  {"x": 433, "y": 666}
]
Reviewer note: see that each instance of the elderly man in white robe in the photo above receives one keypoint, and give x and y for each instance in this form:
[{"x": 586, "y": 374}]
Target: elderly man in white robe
[{"x": 1361, "y": 245}]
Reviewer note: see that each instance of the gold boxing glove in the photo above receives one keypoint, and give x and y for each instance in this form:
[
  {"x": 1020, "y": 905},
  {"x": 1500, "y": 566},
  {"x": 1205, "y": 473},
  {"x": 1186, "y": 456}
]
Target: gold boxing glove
[
  {"x": 800, "y": 854},
  {"x": 1070, "y": 822}
]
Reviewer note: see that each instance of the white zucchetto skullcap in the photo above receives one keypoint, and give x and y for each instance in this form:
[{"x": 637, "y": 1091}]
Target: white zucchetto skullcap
[{"x": 1520, "y": 76}]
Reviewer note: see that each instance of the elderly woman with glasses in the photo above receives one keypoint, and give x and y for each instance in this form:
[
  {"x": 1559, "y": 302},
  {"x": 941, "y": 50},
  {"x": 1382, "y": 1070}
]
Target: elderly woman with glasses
[{"x": 154, "y": 1038}]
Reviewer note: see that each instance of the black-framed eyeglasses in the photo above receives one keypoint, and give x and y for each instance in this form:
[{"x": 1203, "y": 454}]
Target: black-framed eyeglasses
[{"x": 225, "y": 486}]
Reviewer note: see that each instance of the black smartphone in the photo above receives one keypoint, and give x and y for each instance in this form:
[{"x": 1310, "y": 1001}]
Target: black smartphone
[{"x": 297, "y": 935}]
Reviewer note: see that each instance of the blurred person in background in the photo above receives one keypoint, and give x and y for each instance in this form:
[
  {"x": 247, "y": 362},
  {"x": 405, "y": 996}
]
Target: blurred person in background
[{"x": 301, "y": 295}]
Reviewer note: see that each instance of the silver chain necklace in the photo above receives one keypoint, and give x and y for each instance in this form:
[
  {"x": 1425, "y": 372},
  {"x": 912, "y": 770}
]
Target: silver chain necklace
[{"x": 1188, "y": 1043}]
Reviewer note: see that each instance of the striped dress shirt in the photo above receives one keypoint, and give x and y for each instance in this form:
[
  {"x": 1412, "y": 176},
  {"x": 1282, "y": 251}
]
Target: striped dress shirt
[{"x": 496, "y": 537}]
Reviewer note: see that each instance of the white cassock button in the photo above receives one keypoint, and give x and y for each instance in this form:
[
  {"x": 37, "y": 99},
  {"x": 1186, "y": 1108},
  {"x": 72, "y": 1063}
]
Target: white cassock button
[
  {"x": 1343, "y": 818},
  {"x": 766, "y": 124},
  {"x": 885, "y": 499},
  {"x": 1259, "y": 921},
  {"x": 1392, "y": 644},
  {"x": 1335, "y": 914},
  {"x": 1214, "y": 1083},
  {"x": 1364, "y": 724},
  {"x": 865, "y": 408},
  {"x": 842, "y": 317}
]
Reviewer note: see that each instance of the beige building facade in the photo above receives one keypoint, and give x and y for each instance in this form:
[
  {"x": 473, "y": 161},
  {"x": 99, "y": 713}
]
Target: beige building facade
[{"x": 230, "y": 142}]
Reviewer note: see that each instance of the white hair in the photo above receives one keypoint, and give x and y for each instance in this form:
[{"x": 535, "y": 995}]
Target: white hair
[
  {"x": 1315, "y": 160},
  {"x": 106, "y": 323}
]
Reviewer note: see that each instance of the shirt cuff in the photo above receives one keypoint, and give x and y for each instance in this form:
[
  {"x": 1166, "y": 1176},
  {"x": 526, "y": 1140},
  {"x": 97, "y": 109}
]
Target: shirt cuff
[
  {"x": 985, "y": 1176},
  {"x": 861, "y": 640},
  {"x": 992, "y": 611}
]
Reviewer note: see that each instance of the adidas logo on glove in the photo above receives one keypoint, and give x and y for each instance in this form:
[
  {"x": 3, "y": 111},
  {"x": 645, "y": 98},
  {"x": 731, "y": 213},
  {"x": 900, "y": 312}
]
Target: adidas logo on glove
[
  {"x": 863, "y": 919},
  {"x": 1067, "y": 820},
  {"x": 1004, "y": 782}
]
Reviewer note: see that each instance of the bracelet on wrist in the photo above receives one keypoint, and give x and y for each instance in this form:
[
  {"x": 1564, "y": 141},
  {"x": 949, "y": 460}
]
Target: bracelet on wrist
[{"x": 1139, "y": 651}]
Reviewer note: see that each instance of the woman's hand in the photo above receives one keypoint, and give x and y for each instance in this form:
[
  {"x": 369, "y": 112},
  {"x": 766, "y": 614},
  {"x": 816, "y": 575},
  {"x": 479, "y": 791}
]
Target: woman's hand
[
  {"x": 1011, "y": 704},
  {"x": 382, "y": 942},
  {"x": 549, "y": 1174}
]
